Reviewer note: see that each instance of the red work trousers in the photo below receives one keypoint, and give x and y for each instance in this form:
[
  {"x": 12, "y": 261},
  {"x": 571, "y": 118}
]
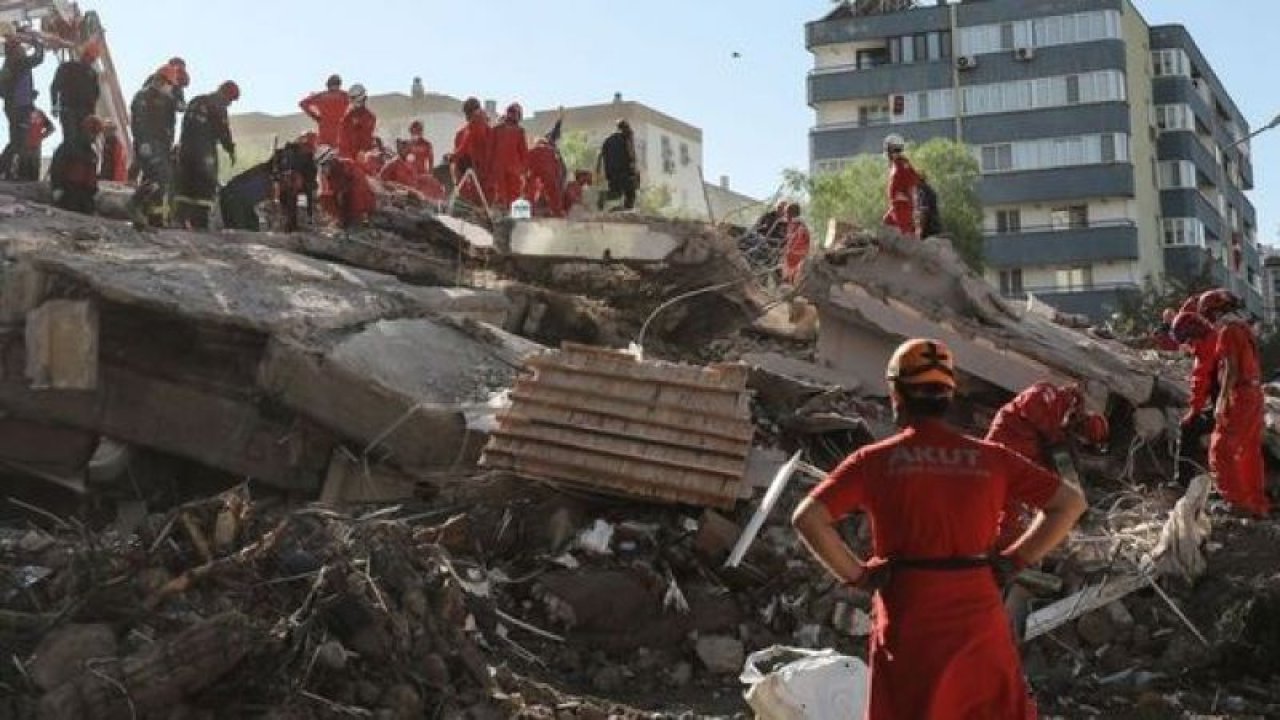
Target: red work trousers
[
  {"x": 1235, "y": 451},
  {"x": 901, "y": 215}
]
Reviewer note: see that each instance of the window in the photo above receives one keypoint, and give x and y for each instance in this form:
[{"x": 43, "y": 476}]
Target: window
[
  {"x": 895, "y": 50},
  {"x": 1175, "y": 174},
  {"x": 1076, "y": 278},
  {"x": 908, "y": 50},
  {"x": 1166, "y": 63},
  {"x": 1174, "y": 117},
  {"x": 685, "y": 157},
  {"x": 1011, "y": 282},
  {"x": 935, "y": 47},
  {"x": 1073, "y": 89},
  {"x": 1101, "y": 86},
  {"x": 997, "y": 158},
  {"x": 1040, "y": 32},
  {"x": 1008, "y": 221},
  {"x": 1049, "y": 153},
  {"x": 1072, "y": 217},
  {"x": 929, "y": 105},
  {"x": 1006, "y": 36},
  {"x": 921, "y": 48},
  {"x": 1179, "y": 232}
]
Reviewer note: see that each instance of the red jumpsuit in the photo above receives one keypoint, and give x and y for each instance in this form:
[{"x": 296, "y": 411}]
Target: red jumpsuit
[
  {"x": 1204, "y": 351},
  {"x": 400, "y": 171},
  {"x": 1235, "y": 449},
  {"x": 421, "y": 155},
  {"x": 114, "y": 166},
  {"x": 573, "y": 194},
  {"x": 509, "y": 154},
  {"x": 796, "y": 250},
  {"x": 346, "y": 192},
  {"x": 358, "y": 126},
  {"x": 471, "y": 151},
  {"x": 902, "y": 196},
  {"x": 543, "y": 182},
  {"x": 327, "y": 109},
  {"x": 941, "y": 647},
  {"x": 1030, "y": 424}
]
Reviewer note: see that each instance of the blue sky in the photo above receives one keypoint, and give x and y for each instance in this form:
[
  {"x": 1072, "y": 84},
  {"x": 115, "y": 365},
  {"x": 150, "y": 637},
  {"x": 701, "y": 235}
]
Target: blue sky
[{"x": 672, "y": 54}]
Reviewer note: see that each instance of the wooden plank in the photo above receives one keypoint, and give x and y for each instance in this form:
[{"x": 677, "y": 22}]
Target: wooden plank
[
  {"x": 737, "y": 430},
  {"x": 553, "y": 471},
  {"x": 618, "y": 425},
  {"x": 622, "y": 448}
]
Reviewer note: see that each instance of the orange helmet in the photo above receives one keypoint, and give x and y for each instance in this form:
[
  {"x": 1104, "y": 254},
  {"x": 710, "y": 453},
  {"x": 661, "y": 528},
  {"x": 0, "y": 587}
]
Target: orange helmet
[
  {"x": 1216, "y": 303},
  {"x": 1189, "y": 326},
  {"x": 229, "y": 90},
  {"x": 922, "y": 362},
  {"x": 1094, "y": 429}
]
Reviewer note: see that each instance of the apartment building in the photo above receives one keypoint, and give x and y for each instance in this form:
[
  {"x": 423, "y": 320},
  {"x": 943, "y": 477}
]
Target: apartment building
[
  {"x": 1271, "y": 287},
  {"x": 1083, "y": 120}
]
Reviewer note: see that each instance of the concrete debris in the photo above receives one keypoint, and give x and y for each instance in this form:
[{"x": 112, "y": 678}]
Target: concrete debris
[
  {"x": 721, "y": 655},
  {"x": 606, "y": 421}
]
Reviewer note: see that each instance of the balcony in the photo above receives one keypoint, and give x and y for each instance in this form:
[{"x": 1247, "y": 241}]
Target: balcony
[
  {"x": 845, "y": 140},
  {"x": 1038, "y": 246},
  {"x": 852, "y": 82},
  {"x": 1098, "y": 302},
  {"x": 872, "y": 27},
  {"x": 1071, "y": 183}
]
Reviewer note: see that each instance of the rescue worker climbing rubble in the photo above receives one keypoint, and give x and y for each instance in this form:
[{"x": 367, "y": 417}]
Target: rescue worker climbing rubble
[
  {"x": 1191, "y": 330},
  {"x": 327, "y": 108},
  {"x": 796, "y": 249},
  {"x": 1039, "y": 424},
  {"x": 358, "y": 126},
  {"x": 940, "y": 647},
  {"x": 1235, "y": 448},
  {"x": 472, "y": 154},
  {"x": 345, "y": 189},
  {"x": 205, "y": 126},
  {"x": 152, "y": 116},
  {"x": 902, "y": 187},
  {"x": 543, "y": 183},
  {"x": 509, "y": 156}
]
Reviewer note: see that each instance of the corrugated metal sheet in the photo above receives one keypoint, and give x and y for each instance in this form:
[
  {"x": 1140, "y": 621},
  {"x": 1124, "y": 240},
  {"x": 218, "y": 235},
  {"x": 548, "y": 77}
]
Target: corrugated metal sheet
[{"x": 604, "y": 420}]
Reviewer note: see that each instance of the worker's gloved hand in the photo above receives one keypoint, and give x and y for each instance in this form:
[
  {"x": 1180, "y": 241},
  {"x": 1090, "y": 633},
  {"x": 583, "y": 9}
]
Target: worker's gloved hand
[
  {"x": 1006, "y": 568},
  {"x": 876, "y": 573}
]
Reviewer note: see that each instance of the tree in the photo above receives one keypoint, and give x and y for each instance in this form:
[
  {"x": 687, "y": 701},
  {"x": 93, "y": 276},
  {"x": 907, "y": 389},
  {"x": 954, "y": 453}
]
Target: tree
[
  {"x": 857, "y": 192},
  {"x": 1139, "y": 315},
  {"x": 578, "y": 154}
]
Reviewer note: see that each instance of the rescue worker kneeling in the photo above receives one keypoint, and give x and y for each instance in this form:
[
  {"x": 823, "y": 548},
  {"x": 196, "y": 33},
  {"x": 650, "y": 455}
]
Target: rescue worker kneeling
[
  {"x": 345, "y": 191},
  {"x": 941, "y": 646}
]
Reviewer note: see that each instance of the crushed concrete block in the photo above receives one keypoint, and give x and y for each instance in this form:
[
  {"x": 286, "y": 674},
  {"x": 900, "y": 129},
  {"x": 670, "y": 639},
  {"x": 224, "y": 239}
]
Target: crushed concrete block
[
  {"x": 715, "y": 537},
  {"x": 620, "y": 242},
  {"x": 22, "y": 287},
  {"x": 720, "y": 654},
  {"x": 62, "y": 345}
]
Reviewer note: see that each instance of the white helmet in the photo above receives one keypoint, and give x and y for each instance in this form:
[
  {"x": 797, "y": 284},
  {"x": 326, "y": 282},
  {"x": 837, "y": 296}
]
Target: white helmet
[
  {"x": 325, "y": 155},
  {"x": 894, "y": 141},
  {"x": 357, "y": 93}
]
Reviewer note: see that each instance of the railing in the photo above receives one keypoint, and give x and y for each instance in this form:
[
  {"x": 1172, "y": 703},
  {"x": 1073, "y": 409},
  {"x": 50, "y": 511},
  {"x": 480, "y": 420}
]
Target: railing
[
  {"x": 1055, "y": 228},
  {"x": 850, "y": 67},
  {"x": 1059, "y": 290}
]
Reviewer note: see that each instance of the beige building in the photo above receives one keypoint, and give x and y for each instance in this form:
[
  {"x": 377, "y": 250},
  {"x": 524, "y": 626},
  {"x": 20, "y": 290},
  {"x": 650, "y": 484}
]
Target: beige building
[{"x": 669, "y": 150}]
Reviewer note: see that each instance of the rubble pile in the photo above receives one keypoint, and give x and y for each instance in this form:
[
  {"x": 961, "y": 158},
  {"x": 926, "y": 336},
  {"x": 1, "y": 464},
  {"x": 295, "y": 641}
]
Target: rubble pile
[{"x": 613, "y": 553}]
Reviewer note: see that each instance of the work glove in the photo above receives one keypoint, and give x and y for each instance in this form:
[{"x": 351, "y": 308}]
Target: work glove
[
  {"x": 1006, "y": 568},
  {"x": 876, "y": 574}
]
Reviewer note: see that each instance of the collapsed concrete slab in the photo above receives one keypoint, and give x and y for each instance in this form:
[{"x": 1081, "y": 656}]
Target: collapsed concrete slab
[
  {"x": 242, "y": 357},
  {"x": 606, "y": 421},
  {"x": 873, "y": 290}
]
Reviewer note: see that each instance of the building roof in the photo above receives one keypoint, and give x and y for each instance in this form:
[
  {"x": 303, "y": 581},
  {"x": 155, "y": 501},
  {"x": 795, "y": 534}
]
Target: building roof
[
  {"x": 607, "y": 114},
  {"x": 732, "y": 206}
]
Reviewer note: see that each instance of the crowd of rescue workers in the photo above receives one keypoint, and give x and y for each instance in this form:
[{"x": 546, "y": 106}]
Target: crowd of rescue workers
[
  {"x": 333, "y": 168},
  {"x": 939, "y": 501}
]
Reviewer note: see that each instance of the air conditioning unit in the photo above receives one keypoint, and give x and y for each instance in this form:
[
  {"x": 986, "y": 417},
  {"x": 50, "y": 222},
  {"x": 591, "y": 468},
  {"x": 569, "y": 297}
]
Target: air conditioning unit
[
  {"x": 1024, "y": 53},
  {"x": 966, "y": 62}
]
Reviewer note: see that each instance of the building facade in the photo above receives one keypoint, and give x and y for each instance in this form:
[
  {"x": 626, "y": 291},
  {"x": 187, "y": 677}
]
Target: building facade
[
  {"x": 1271, "y": 287},
  {"x": 1066, "y": 105}
]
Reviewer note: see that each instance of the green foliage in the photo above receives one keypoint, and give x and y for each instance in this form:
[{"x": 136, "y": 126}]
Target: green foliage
[
  {"x": 857, "y": 193},
  {"x": 578, "y": 154},
  {"x": 1140, "y": 315}
]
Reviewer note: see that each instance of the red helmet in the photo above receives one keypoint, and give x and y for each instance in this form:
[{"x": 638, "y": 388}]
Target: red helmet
[
  {"x": 1216, "y": 303},
  {"x": 1094, "y": 429},
  {"x": 229, "y": 90},
  {"x": 91, "y": 125},
  {"x": 415, "y": 127},
  {"x": 1189, "y": 326}
]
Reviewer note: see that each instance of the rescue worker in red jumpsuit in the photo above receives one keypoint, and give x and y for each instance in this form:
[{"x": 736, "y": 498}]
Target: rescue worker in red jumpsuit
[
  {"x": 902, "y": 187},
  {"x": 358, "y": 125},
  {"x": 39, "y": 129},
  {"x": 1235, "y": 448},
  {"x": 1162, "y": 337},
  {"x": 509, "y": 156},
  {"x": 573, "y": 194},
  {"x": 1037, "y": 424},
  {"x": 472, "y": 152},
  {"x": 400, "y": 169},
  {"x": 73, "y": 171},
  {"x": 544, "y": 184},
  {"x": 1190, "y": 329},
  {"x": 940, "y": 647},
  {"x": 327, "y": 108},
  {"x": 796, "y": 249},
  {"x": 350, "y": 198},
  {"x": 421, "y": 154}
]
